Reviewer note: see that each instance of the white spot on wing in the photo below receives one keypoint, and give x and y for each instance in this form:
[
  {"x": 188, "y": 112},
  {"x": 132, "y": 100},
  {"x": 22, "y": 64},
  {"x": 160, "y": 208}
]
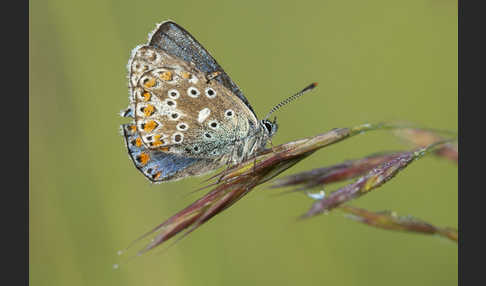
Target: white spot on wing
[{"x": 203, "y": 114}]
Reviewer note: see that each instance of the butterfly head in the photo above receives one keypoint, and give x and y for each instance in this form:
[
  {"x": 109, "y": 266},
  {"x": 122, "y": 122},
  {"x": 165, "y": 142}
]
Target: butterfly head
[{"x": 269, "y": 127}]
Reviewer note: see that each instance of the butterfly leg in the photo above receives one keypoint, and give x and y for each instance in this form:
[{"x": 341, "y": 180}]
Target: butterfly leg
[
  {"x": 254, "y": 163},
  {"x": 271, "y": 143},
  {"x": 228, "y": 167}
]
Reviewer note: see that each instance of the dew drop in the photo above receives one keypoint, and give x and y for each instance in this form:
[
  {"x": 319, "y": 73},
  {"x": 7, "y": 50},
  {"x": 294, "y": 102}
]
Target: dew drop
[
  {"x": 116, "y": 266},
  {"x": 120, "y": 252},
  {"x": 317, "y": 196}
]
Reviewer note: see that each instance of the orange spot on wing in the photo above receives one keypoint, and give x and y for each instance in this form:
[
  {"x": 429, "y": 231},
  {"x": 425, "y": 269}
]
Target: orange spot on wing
[
  {"x": 143, "y": 158},
  {"x": 166, "y": 76},
  {"x": 148, "y": 110},
  {"x": 149, "y": 83},
  {"x": 157, "y": 141},
  {"x": 156, "y": 175},
  {"x": 186, "y": 75},
  {"x": 138, "y": 142},
  {"x": 164, "y": 149},
  {"x": 149, "y": 126},
  {"x": 133, "y": 128},
  {"x": 146, "y": 96}
]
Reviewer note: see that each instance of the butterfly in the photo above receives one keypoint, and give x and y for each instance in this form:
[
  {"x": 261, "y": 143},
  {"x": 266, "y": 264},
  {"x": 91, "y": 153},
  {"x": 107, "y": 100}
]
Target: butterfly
[{"x": 188, "y": 116}]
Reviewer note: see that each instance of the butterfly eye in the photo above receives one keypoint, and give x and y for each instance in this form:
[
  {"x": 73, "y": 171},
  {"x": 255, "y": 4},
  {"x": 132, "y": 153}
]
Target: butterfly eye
[
  {"x": 268, "y": 125},
  {"x": 173, "y": 93},
  {"x": 193, "y": 92},
  {"x": 210, "y": 92}
]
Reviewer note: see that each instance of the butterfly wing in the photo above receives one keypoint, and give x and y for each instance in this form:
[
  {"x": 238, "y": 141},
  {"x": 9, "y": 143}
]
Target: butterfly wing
[
  {"x": 176, "y": 41},
  {"x": 177, "y": 110},
  {"x": 159, "y": 166},
  {"x": 185, "y": 124}
]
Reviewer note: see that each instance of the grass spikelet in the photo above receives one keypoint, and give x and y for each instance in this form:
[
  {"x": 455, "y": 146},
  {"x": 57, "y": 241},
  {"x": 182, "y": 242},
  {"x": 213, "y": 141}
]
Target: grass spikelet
[
  {"x": 391, "y": 221},
  {"x": 372, "y": 180},
  {"x": 232, "y": 184}
]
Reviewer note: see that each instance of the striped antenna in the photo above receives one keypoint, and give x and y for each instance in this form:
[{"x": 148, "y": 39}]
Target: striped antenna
[{"x": 292, "y": 98}]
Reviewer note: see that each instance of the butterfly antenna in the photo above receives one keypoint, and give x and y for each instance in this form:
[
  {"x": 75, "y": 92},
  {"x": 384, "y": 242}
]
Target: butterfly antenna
[{"x": 291, "y": 98}]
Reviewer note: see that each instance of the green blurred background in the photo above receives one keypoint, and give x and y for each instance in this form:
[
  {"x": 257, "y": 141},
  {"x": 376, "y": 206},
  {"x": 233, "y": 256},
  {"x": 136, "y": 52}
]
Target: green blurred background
[{"x": 374, "y": 61}]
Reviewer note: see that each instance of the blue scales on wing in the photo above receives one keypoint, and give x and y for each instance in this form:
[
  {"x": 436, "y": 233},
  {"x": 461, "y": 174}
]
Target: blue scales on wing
[
  {"x": 157, "y": 165},
  {"x": 176, "y": 41}
]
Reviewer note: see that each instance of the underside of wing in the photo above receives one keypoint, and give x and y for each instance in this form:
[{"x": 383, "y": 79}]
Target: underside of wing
[
  {"x": 176, "y": 108},
  {"x": 177, "y": 42},
  {"x": 158, "y": 166}
]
